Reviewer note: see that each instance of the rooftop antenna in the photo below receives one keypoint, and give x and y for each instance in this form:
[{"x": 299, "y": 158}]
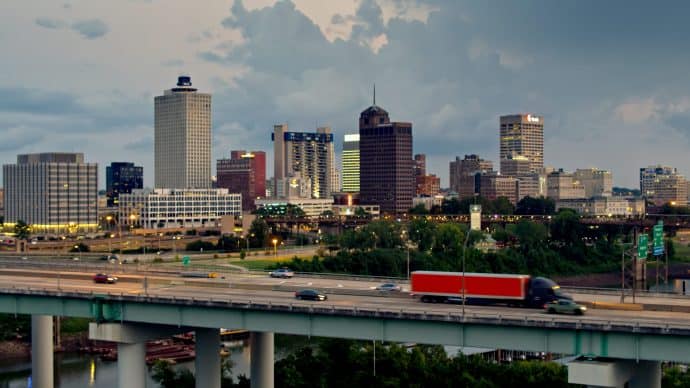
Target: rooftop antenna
[{"x": 374, "y": 93}]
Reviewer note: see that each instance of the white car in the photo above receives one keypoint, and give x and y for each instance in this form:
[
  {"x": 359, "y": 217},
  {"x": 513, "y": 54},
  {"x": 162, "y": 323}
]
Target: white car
[
  {"x": 389, "y": 287},
  {"x": 283, "y": 273}
]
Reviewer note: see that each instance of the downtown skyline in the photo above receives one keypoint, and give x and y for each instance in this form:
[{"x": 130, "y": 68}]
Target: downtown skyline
[{"x": 92, "y": 73}]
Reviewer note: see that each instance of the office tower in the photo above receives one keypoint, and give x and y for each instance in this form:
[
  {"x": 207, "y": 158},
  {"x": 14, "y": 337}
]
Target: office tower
[
  {"x": 386, "y": 165},
  {"x": 563, "y": 185},
  {"x": 183, "y": 137},
  {"x": 597, "y": 183},
  {"x": 494, "y": 185},
  {"x": 516, "y": 165},
  {"x": 427, "y": 185},
  {"x": 663, "y": 185},
  {"x": 308, "y": 153},
  {"x": 419, "y": 165},
  {"x": 122, "y": 177},
  {"x": 350, "y": 161},
  {"x": 523, "y": 135},
  {"x": 462, "y": 174},
  {"x": 52, "y": 192},
  {"x": 244, "y": 173}
]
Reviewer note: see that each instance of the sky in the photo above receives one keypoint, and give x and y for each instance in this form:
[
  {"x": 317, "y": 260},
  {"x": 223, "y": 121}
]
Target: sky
[{"x": 610, "y": 77}]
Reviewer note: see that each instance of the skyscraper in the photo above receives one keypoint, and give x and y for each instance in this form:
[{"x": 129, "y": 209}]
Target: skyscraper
[
  {"x": 462, "y": 174},
  {"x": 307, "y": 154},
  {"x": 53, "y": 192},
  {"x": 522, "y": 135},
  {"x": 350, "y": 162},
  {"x": 386, "y": 164},
  {"x": 183, "y": 137},
  {"x": 121, "y": 178},
  {"x": 245, "y": 173}
]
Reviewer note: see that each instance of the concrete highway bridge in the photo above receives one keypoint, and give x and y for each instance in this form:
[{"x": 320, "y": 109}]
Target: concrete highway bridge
[{"x": 618, "y": 343}]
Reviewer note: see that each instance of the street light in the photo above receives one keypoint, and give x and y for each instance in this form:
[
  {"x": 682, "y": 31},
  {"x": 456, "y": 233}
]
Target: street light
[
  {"x": 464, "y": 254},
  {"x": 275, "y": 247},
  {"x": 78, "y": 248}
]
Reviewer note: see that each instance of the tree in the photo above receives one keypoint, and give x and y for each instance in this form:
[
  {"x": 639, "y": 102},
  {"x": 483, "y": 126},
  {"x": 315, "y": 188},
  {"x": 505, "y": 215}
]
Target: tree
[
  {"x": 22, "y": 230},
  {"x": 535, "y": 206},
  {"x": 502, "y": 205},
  {"x": 566, "y": 227},
  {"x": 421, "y": 232},
  {"x": 258, "y": 233},
  {"x": 420, "y": 209}
]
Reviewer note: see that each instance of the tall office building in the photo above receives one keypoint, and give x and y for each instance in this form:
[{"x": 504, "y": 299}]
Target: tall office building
[
  {"x": 183, "y": 137},
  {"x": 563, "y": 185},
  {"x": 350, "y": 161},
  {"x": 386, "y": 164},
  {"x": 419, "y": 165},
  {"x": 52, "y": 192},
  {"x": 463, "y": 171},
  {"x": 308, "y": 154},
  {"x": 598, "y": 183},
  {"x": 523, "y": 135},
  {"x": 245, "y": 173},
  {"x": 662, "y": 185},
  {"x": 121, "y": 178}
]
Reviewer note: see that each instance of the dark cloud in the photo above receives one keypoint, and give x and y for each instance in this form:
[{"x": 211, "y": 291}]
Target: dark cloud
[
  {"x": 37, "y": 102},
  {"x": 53, "y": 24},
  {"x": 16, "y": 139},
  {"x": 91, "y": 29}
]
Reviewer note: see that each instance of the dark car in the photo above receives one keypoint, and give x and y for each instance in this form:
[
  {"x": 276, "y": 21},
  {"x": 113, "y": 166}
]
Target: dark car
[
  {"x": 104, "y": 278},
  {"x": 310, "y": 295}
]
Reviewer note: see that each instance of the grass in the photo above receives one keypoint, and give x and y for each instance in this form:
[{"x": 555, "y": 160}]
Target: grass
[{"x": 682, "y": 250}]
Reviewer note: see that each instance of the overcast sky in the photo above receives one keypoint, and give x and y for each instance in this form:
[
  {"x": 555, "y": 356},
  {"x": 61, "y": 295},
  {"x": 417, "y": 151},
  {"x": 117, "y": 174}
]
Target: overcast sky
[{"x": 611, "y": 78}]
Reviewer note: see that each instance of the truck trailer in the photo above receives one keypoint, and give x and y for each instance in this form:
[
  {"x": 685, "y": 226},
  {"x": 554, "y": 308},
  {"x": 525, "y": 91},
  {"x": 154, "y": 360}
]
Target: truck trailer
[{"x": 485, "y": 288}]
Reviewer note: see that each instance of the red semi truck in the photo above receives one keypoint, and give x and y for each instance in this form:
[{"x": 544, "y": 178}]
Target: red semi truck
[{"x": 485, "y": 288}]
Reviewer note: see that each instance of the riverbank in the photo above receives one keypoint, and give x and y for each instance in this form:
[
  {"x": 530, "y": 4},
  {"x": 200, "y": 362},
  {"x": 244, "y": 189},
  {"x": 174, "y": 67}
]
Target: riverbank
[{"x": 21, "y": 348}]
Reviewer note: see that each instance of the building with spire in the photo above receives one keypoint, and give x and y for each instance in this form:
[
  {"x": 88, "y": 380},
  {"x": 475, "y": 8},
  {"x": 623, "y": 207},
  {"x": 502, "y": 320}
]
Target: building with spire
[{"x": 386, "y": 164}]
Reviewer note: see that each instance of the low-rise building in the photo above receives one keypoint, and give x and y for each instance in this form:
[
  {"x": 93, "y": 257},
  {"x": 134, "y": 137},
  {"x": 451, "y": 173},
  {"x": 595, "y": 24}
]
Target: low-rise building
[
  {"x": 428, "y": 201},
  {"x": 562, "y": 185},
  {"x": 174, "y": 208},
  {"x": 312, "y": 207},
  {"x": 604, "y": 206},
  {"x": 662, "y": 185}
]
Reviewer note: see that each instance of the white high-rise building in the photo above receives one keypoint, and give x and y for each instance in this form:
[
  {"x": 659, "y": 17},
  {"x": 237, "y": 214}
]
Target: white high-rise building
[
  {"x": 308, "y": 153},
  {"x": 351, "y": 163},
  {"x": 183, "y": 138}
]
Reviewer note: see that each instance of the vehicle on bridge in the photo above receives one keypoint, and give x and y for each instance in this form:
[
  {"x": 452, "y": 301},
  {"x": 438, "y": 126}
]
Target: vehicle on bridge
[
  {"x": 104, "y": 278},
  {"x": 485, "y": 288},
  {"x": 309, "y": 294},
  {"x": 564, "y": 306}
]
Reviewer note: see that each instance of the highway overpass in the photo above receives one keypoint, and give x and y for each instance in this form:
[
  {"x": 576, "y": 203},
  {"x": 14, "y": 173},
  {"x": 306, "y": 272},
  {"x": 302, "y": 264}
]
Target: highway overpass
[{"x": 143, "y": 306}]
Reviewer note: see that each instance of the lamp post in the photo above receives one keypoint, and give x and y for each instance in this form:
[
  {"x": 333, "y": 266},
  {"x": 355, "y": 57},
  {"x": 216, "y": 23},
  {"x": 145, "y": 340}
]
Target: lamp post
[
  {"x": 275, "y": 247},
  {"x": 464, "y": 254}
]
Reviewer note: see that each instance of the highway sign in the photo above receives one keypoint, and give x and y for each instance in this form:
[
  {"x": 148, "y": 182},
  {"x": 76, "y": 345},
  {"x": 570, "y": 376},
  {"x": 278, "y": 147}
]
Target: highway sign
[
  {"x": 642, "y": 241},
  {"x": 186, "y": 260},
  {"x": 658, "y": 239}
]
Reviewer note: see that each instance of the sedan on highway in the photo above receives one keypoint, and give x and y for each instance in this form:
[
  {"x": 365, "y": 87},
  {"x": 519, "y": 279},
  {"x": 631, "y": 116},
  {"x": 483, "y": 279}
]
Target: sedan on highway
[
  {"x": 104, "y": 278},
  {"x": 564, "y": 306},
  {"x": 310, "y": 295},
  {"x": 283, "y": 273},
  {"x": 389, "y": 287}
]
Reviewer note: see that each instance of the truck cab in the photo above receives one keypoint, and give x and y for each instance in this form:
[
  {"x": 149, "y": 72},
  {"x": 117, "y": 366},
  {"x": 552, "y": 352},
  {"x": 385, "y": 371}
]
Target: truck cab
[{"x": 544, "y": 290}]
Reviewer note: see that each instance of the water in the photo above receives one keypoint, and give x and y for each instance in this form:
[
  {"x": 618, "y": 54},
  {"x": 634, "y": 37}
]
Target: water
[{"x": 85, "y": 370}]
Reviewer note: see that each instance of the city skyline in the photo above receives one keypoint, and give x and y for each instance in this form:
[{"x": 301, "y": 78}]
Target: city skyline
[{"x": 598, "y": 106}]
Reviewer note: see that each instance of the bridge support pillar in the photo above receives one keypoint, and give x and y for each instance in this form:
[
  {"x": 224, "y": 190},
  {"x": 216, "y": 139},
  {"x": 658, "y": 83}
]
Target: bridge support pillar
[
  {"x": 131, "y": 365},
  {"x": 262, "y": 355},
  {"x": 131, "y": 347},
  {"x": 207, "y": 363},
  {"x": 42, "y": 351},
  {"x": 615, "y": 373}
]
